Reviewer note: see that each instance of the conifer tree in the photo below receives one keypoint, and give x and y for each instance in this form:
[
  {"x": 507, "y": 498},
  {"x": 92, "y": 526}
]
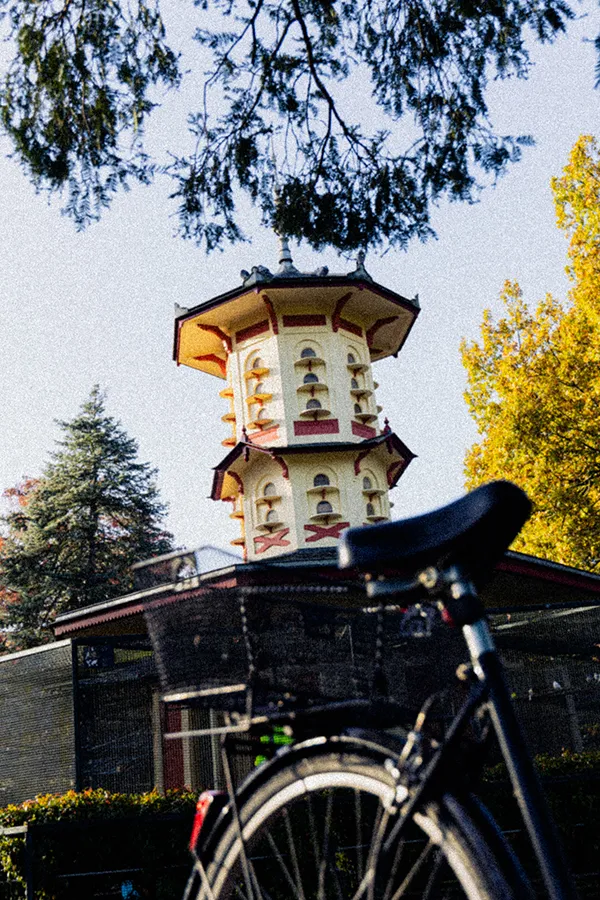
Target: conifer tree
[
  {"x": 534, "y": 386},
  {"x": 73, "y": 535},
  {"x": 362, "y": 113}
]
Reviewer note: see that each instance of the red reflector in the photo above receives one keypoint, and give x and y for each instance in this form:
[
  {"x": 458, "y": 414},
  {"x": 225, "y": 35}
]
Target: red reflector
[
  {"x": 202, "y": 807},
  {"x": 447, "y": 618}
]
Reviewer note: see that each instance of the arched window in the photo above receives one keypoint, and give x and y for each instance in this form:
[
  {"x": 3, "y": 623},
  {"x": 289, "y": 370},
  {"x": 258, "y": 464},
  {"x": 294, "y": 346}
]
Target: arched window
[
  {"x": 262, "y": 414},
  {"x": 260, "y": 388},
  {"x": 370, "y": 509},
  {"x": 321, "y": 480},
  {"x": 257, "y": 363},
  {"x": 310, "y": 378},
  {"x": 357, "y": 408},
  {"x": 354, "y": 384},
  {"x": 367, "y": 483},
  {"x": 269, "y": 490},
  {"x": 313, "y": 404},
  {"x": 308, "y": 353},
  {"x": 323, "y": 506},
  {"x": 271, "y": 516},
  {"x": 351, "y": 359}
]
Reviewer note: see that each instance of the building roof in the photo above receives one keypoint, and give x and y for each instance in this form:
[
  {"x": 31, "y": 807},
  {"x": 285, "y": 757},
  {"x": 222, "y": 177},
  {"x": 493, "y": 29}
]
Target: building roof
[
  {"x": 224, "y": 487},
  {"x": 521, "y": 582},
  {"x": 204, "y": 333}
]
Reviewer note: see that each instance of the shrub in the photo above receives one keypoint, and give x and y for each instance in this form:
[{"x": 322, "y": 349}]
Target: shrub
[{"x": 94, "y": 831}]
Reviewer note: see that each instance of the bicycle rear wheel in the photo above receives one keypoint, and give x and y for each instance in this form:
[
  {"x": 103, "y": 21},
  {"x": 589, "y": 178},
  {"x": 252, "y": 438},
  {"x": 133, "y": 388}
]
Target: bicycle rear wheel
[{"x": 316, "y": 830}]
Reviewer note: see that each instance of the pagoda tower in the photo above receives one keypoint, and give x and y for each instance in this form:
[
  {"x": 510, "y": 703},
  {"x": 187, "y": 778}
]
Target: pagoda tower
[{"x": 307, "y": 455}]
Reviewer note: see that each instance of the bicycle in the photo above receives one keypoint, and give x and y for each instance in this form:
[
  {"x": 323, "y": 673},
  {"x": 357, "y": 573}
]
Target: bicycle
[{"x": 356, "y": 803}]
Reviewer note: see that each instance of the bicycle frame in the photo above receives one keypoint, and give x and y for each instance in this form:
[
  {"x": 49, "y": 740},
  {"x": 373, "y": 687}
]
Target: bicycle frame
[
  {"x": 458, "y": 598},
  {"x": 525, "y": 783}
]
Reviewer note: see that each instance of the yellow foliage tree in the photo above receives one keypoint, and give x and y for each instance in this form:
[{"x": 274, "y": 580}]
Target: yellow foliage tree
[{"x": 534, "y": 386}]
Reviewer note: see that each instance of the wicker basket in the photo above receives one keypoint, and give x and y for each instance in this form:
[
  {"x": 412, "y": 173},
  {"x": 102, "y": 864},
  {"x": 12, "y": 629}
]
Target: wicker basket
[{"x": 247, "y": 650}]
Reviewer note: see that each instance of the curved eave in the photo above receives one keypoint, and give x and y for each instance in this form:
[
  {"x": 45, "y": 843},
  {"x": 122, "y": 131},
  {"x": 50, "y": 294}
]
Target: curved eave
[
  {"x": 384, "y": 317},
  {"x": 392, "y": 451}
]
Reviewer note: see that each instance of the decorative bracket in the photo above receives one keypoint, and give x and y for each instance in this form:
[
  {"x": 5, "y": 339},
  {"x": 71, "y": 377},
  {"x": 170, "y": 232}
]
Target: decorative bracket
[
  {"x": 218, "y": 332},
  {"x": 213, "y": 358},
  {"x": 376, "y": 326},
  {"x": 336, "y": 315},
  {"x": 237, "y": 480},
  {"x": 395, "y": 471},
  {"x": 282, "y": 463},
  {"x": 360, "y": 458},
  {"x": 272, "y": 314}
]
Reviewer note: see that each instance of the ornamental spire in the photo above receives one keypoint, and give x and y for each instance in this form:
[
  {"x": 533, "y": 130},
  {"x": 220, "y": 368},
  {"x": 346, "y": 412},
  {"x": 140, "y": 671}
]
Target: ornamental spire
[{"x": 286, "y": 265}]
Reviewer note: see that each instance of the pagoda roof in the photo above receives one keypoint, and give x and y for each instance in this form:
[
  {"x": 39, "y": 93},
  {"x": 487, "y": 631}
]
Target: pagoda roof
[
  {"x": 241, "y": 452},
  {"x": 386, "y": 315}
]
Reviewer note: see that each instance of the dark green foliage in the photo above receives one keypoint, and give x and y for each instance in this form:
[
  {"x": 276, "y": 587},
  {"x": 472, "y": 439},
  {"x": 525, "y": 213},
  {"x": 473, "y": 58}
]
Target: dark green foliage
[
  {"x": 76, "y": 94},
  {"x": 97, "y": 831},
  {"x": 94, "y": 512},
  {"x": 571, "y": 783},
  {"x": 359, "y": 113},
  {"x": 291, "y": 125}
]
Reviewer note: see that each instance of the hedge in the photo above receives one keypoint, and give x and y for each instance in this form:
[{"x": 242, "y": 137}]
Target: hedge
[
  {"x": 95, "y": 831},
  {"x": 571, "y": 782}
]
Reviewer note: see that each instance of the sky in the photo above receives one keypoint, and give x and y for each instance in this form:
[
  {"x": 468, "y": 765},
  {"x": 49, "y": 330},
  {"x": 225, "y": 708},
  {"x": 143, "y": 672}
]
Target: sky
[{"x": 79, "y": 309}]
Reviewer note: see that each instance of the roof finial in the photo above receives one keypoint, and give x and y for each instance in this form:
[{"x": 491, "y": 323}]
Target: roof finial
[
  {"x": 360, "y": 271},
  {"x": 286, "y": 265}
]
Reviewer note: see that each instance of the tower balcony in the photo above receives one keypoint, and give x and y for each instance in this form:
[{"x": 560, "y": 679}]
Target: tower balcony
[{"x": 315, "y": 413}]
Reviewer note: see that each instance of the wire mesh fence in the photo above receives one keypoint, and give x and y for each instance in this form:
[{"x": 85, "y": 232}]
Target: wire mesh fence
[{"x": 37, "y": 726}]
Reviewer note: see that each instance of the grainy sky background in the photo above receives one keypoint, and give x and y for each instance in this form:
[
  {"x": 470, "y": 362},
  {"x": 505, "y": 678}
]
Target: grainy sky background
[{"x": 79, "y": 309}]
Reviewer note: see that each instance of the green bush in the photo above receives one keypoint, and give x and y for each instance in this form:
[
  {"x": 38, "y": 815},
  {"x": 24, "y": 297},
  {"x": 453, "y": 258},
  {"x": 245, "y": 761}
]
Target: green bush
[
  {"x": 95, "y": 831},
  {"x": 571, "y": 783}
]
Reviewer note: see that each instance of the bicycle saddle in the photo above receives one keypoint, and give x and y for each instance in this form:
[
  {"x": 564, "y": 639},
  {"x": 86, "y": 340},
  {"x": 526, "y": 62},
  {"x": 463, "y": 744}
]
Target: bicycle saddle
[{"x": 473, "y": 532}]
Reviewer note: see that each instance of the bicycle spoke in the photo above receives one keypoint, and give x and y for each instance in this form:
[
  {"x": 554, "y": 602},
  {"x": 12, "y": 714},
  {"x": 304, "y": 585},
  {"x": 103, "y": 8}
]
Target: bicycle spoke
[
  {"x": 359, "y": 838},
  {"x": 398, "y": 856},
  {"x": 294, "y": 856},
  {"x": 367, "y": 883},
  {"x": 416, "y": 868},
  {"x": 260, "y": 893},
  {"x": 325, "y": 847},
  {"x": 313, "y": 834},
  {"x": 284, "y": 868},
  {"x": 434, "y": 872},
  {"x": 330, "y": 856}
]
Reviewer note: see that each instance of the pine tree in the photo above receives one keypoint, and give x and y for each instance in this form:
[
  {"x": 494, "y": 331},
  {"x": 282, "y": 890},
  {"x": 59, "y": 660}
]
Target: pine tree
[
  {"x": 534, "y": 386},
  {"x": 73, "y": 534},
  {"x": 372, "y": 110}
]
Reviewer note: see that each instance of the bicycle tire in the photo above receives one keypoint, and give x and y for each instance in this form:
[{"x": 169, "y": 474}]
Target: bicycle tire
[{"x": 301, "y": 845}]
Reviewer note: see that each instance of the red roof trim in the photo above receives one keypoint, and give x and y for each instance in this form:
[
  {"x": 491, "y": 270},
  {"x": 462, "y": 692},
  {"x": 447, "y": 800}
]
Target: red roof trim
[
  {"x": 263, "y": 437},
  {"x": 304, "y": 321},
  {"x": 97, "y": 620},
  {"x": 251, "y": 331},
  {"x": 574, "y": 579},
  {"x": 363, "y": 431},
  {"x": 322, "y": 426}
]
